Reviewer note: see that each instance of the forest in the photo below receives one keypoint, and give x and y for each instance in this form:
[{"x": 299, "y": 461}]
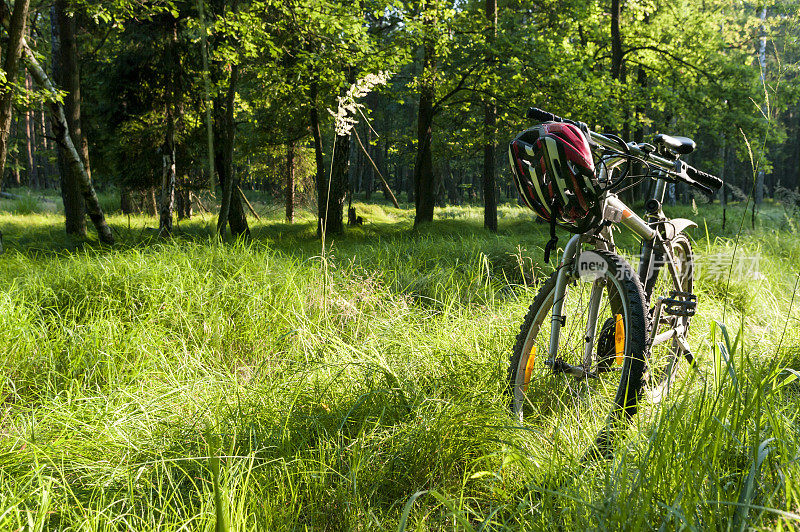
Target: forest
[
  {"x": 264, "y": 266},
  {"x": 168, "y": 102}
]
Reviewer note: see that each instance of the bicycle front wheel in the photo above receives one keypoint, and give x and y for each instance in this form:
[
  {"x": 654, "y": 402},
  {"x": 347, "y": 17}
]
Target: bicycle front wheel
[{"x": 603, "y": 335}]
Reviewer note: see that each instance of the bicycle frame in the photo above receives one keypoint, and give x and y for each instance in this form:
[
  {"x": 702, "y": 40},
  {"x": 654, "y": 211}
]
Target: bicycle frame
[{"x": 617, "y": 212}]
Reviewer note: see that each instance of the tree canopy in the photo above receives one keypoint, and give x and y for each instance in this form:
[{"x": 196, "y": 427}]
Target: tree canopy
[{"x": 232, "y": 85}]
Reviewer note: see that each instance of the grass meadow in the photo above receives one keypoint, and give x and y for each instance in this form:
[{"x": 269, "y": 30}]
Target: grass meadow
[{"x": 188, "y": 384}]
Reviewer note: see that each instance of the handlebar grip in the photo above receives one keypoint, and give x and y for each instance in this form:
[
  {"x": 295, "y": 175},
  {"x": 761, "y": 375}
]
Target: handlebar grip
[
  {"x": 542, "y": 116},
  {"x": 537, "y": 114},
  {"x": 707, "y": 180}
]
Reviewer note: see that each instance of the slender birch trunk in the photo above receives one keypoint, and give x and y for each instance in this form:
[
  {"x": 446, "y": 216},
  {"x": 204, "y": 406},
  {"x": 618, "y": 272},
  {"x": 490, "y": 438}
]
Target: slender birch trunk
[
  {"x": 42, "y": 133},
  {"x": 369, "y": 171},
  {"x": 15, "y": 134},
  {"x": 16, "y": 39},
  {"x": 61, "y": 131},
  {"x": 167, "y": 202},
  {"x": 33, "y": 178}
]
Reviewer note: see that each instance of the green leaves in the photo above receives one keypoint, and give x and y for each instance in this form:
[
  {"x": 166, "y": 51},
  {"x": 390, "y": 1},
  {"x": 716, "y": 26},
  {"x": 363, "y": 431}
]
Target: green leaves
[{"x": 688, "y": 66}]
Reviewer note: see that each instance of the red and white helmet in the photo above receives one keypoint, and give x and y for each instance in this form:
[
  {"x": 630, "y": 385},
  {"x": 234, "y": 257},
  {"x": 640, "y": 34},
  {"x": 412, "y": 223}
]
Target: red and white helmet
[{"x": 554, "y": 174}]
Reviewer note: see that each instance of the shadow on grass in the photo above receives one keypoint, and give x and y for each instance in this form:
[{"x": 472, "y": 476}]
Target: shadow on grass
[{"x": 44, "y": 233}]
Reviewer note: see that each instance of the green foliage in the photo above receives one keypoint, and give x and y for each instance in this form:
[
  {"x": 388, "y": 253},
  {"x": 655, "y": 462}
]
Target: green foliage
[{"x": 688, "y": 69}]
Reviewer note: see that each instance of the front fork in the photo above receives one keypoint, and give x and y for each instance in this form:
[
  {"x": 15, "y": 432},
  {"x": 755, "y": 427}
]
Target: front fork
[
  {"x": 564, "y": 272},
  {"x": 558, "y": 319}
]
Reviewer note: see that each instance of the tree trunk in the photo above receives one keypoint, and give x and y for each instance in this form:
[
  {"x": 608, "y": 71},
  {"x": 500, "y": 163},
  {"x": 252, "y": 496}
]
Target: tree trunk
[
  {"x": 68, "y": 78},
  {"x": 384, "y": 166},
  {"x": 290, "y": 182},
  {"x": 231, "y": 209},
  {"x": 167, "y": 202},
  {"x": 762, "y": 63},
  {"x": 150, "y": 206},
  {"x": 184, "y": 201},
  {"x": 489, "y": 119},
  {"x": 424, "y": 183},
  {"x": 43, "y": 132},
  {"x": 337, "y": 188},
  {"x": 237, "y": 217},
  {"x": 795, "y": 158},
  {"x": 61, "y": 131},
  {"x": 322, "y": 182},
  {"x": 126, "y": 201},
  {"x": 172, "y": 65},
  {"x": 179, "y": 198},
  {"x": 16, "y": 33},
  {"x": 15, "y": 178},
  {"x": 369, "y": 171},
  {"x": 70, "y": 71},
  {"x": 33, "y": 174},
  {"x": 222, "y": 168},
  {"x": 188, "y": 210},
  {"x": 616, "y": 40},
  {"x": 723, "y": 200},
  {"x": 489, "y": 179},
  {"x": 62, "y": 167}
]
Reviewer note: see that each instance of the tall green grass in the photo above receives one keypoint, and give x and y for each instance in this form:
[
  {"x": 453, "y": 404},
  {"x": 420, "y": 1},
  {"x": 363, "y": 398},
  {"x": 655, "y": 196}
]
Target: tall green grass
[{"x": 190, "y": 384}]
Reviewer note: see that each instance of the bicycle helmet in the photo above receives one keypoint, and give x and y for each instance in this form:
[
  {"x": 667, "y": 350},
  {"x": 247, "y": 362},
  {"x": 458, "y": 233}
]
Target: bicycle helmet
[{"x": 553, "y": 172}]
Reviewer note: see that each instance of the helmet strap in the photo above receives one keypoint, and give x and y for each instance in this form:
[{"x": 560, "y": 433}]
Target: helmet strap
[{"x": 553, "y": 242}]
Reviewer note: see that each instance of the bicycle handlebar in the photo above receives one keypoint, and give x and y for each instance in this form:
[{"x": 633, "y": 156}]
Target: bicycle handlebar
[
  {"x": 679, "y": 169},
  {"x": 708, "y": 180},
  {"x": 543, "y": 116}
]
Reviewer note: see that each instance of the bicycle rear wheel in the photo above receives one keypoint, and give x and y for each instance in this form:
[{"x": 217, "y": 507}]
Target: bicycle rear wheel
[
  {"x": 604, "y": 334},
  {"x": 664, "y": 366}
]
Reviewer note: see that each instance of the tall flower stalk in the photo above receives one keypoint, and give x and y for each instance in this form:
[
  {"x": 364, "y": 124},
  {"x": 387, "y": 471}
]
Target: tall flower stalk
[{"x": 346, "y": 118}]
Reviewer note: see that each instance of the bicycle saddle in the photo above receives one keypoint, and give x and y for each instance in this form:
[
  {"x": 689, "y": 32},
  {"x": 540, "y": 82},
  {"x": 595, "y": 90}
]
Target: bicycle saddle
[{"x": 681, "y": 145}]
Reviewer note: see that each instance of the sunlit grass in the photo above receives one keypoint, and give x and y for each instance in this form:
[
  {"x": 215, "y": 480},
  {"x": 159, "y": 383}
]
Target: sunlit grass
[{"x": 331, "y": 396}]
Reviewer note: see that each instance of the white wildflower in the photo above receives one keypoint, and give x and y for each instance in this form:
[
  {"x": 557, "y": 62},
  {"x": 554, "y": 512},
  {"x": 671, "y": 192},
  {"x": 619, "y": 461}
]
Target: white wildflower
[{"x": 345, "y": 114}]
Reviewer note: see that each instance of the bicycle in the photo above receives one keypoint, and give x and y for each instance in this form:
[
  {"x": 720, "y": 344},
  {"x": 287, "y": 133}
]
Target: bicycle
[{"x": 614, "y": 333}]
